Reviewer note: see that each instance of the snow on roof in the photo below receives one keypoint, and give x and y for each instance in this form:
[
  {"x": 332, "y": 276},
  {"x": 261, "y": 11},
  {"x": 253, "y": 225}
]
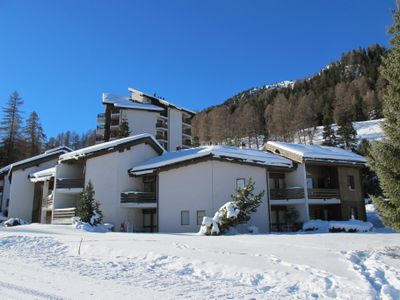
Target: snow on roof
[
  {"x": 49, "y": 153},
  {"x": 84, "y": 152},
  {"x": 226, "y": 152},
  {"x": 43, "y": 175},
  {"x": 317, "y": 152},
  {"x": 163, "y": 101},
  {"x": 126, "y": 102}
]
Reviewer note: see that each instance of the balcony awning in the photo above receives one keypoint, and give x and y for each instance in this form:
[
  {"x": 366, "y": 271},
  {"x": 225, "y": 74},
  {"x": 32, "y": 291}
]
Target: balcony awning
[{"x": 43, "y": 175}]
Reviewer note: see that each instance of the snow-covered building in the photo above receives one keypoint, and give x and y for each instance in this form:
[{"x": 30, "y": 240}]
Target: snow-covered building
[
  {"x": 106, "y": 166},
  {"x": 324, "y": 184},
  {"x": 169, "y": 123},
  {"x": 189, "y": 184},
  {"x": 21, "y": 197}
]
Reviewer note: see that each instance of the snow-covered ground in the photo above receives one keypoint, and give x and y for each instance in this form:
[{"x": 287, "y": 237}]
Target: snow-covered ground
[
  {"x": 370, "y": 130},
  {"x": 42, "y": 262}
]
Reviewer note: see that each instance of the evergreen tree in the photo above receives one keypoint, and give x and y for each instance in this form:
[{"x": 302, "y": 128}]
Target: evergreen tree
[
  {"x": 10, "y": 128},
  {"x": 329, "y": 136},
  {"x": 123, "y": 130},
  {"x": 385, "y": 155},
  {"x": 34, "y": 135},
  {"x": 247, "y": 202},
  {"x": 346, "y": 134},
  {"x": 87, "y": 208}
]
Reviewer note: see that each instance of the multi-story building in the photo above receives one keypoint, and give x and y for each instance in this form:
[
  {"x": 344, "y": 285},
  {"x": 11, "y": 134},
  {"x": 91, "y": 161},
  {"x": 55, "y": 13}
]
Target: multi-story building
[
  {"x": 169, "y": 123},
  {"x": 325, "y": 184}
]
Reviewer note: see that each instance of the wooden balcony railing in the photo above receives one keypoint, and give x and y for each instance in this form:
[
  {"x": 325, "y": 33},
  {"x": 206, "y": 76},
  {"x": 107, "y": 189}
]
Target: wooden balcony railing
[
  {"x": 138, "y": 197},
  {"x": 47, "y": 202},
  {"x": 280, "y": 194},
  {"x": 161, "y": 125},
  {"x": 70, "y": 183},
  {"x": 161, "y": 137},
  {"x": 323, "y": 193},
  {"x": 63, "y": 216}
]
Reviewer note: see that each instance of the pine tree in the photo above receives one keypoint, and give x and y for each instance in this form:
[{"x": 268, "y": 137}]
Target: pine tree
[
  {"x": 385, "y": 155},
  {"x": 247, "y": 202},
  {"x": 10, "y": 128},
  {"x": 87, "y": 208},
  {"x": 328, "y": 135},
  {"x": 123, "y": 130},
  {"x": 346, "y": 134},
  {"x": 34, "y": 135}
]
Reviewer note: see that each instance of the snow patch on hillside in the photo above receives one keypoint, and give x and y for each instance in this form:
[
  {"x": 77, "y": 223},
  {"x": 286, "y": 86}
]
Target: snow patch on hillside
[{"x": 370, "y": 130}]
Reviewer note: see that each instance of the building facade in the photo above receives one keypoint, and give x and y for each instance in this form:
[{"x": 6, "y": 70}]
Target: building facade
[
  {"x": 169, "y": 123},
  {"x": 324, "y": 184}
]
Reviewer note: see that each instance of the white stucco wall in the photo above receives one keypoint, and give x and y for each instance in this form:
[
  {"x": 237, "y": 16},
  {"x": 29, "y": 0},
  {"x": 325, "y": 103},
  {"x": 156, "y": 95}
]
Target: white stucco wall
[
  {"x": 205, "y": 186},
  {"x": 141, "y": 121},
  {"x": 175, "y": 129},
  {"x": 22, "y": 191},
  {"x": 109, "y": 176},
  {"x": 295, "y": 178}
]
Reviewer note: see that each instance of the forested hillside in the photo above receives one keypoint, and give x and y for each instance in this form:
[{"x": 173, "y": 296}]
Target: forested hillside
[
  {"x": 20, "y": 138},
  {"x": 344, "y": 91}
]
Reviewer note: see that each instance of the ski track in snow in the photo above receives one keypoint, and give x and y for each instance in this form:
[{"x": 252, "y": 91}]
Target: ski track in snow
[
  {"x": 183, "y": 278},
  {"x": 381, "y": 277}
]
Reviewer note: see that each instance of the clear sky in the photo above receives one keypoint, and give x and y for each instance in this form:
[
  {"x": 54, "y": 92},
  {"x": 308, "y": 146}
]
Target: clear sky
[{"x": 61, "y": 55}]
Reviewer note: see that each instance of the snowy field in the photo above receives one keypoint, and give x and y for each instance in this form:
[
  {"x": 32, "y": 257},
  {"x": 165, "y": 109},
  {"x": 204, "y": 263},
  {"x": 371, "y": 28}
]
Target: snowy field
[{"x": 42, "y": 262}]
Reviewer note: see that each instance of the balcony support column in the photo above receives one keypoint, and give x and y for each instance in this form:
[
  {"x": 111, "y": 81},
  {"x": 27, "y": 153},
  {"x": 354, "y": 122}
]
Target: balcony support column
[{"x": 307, "y": 206}]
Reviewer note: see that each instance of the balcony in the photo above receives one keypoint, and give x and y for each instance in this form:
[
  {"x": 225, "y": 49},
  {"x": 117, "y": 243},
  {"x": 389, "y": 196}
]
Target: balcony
[
  {"x": 187, "y": 120},
  {"x": 70, "y": 185},
  {"x": 162, "y": 125},
  {"x": 63, "y": 216},
  {"x": 161, "y": 137},
  {"x": 134, "y": 199},
  {"x": 323, "y": 194},
  {"x": 187, "y": 143},
  {"x": 115, "y": 115},
  {"x": 47, "y": 202},
  {"x": 293, "y": 193},
  {"x": 187, "y": 132},
  {"x": 101, "y": 118}
]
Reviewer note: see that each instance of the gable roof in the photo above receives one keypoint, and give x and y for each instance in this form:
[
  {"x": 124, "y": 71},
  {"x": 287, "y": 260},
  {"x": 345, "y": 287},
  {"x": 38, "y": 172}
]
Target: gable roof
[
  {"x": 112, "y": 146},
  {"x": 126, "y": 102},
  {"x": 162, "y": 101},
  {"x": 35, "y": 160},
  {"x": 234, "y": 154},
  {"x": 42, "y": 175},
  {"x": 302, "y": 153}
]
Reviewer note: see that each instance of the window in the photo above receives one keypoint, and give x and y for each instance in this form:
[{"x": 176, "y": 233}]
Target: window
[
  {"x": 353, "y": 212},
  {"x": 240, "y": 183},
  {"x": 350, "y": 182},
  {"x": 200, "y": 215},
  {"x": 184, "y": 217}
]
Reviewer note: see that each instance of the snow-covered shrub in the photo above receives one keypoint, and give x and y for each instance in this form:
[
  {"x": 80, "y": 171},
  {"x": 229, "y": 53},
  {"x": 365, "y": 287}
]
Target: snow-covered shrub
[
  {"x": 15, "y": 222},
  {"x": 106, "y": 227},
  {"x": 337, "y": 226},
  {"x": 232, "y": 213},
  {"x": 87, "y": 208}
]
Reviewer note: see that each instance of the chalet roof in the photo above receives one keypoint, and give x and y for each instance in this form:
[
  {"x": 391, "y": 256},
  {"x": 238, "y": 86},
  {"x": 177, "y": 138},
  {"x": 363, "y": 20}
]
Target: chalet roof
[
  {"x": 163, "y": 101},
  {"x": 25, "y": 163},
  {"x": 235, "y": 154},
  {"x": 316, "y": 152},
  {"x": 112, "y": 146},
  {"x": 126, "y": 102},
  {"x": 43, "y": 175}
]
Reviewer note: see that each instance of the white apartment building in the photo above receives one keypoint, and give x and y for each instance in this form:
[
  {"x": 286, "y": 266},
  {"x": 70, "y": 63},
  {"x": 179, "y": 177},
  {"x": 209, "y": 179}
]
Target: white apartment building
[{"x": 169, "y": 123}]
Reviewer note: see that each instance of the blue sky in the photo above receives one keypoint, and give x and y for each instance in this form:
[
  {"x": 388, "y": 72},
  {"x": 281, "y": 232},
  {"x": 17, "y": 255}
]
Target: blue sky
[{"x": 61, "y": 55}]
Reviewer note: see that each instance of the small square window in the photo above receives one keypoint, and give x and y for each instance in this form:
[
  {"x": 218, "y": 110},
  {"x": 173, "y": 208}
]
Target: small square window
[
  {"x": 350, "y": 182},
  {"x": 200, "y": 215},
  {"x": 184, "y": 217},
  {"x": 240, "y": 183}
]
